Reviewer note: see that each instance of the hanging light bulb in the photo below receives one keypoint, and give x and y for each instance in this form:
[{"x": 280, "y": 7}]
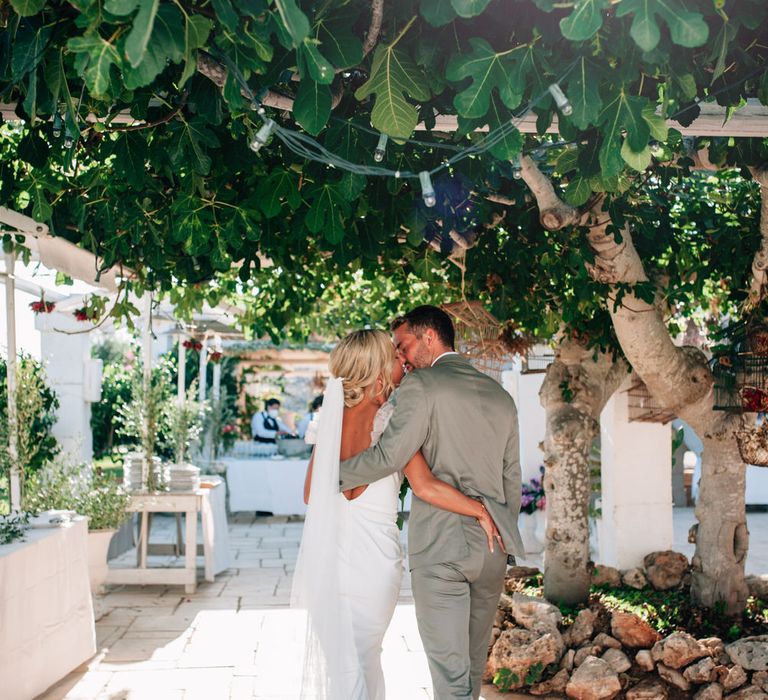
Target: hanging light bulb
[
  {"x": 57, "y": 123},
  {"x": 517, "y": 168},
  {"x": 262, "y": 135},
  {"x": 381, "y": 148},
  {"x": 69, "y": 137},
  {"x": 562, "y": 102},
  {"x": 427, "y": 191}
]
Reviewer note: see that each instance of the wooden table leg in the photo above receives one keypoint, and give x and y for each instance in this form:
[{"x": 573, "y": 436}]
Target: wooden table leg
[
  {"x": 190, "y": 552},
  {"x": 206, "y": 515}
]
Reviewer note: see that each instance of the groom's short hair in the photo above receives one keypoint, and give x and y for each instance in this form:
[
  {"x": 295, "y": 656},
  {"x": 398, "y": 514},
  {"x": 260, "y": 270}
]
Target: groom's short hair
[{"x": 423, "y": 317}]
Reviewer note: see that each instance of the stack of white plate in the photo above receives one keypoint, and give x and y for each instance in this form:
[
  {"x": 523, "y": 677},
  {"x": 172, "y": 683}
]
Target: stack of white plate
[
  {"x": 132, "y": 473},
  {"x": 184, "y": 477}
]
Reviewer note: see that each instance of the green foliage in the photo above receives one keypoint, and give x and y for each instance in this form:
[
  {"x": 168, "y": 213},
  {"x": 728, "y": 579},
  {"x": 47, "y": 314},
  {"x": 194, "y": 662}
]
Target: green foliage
[
  {"x": 36, "y": 406},
  {"x": 185, "y": 423},
  {"x": 221, "y": 415},
  {"x": 69, "y": 486},
  {"x": 12, "y": 527},
  {"x": 179, "y": 198},
  {"x": 145, "y": 418},
  {"x": 505, "y": 680}
]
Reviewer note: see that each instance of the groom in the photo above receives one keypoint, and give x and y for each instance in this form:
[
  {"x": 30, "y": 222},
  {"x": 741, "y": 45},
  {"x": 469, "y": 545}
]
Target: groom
[{"x": 466, "y": 427}]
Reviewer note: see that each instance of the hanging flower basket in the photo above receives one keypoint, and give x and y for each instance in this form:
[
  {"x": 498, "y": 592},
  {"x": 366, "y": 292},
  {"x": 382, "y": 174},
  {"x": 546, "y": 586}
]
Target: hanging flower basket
[
  {"x": 191, "y": 344},
  {"x": 42, "y": 306},
  {"x": 753, "y": 445}
]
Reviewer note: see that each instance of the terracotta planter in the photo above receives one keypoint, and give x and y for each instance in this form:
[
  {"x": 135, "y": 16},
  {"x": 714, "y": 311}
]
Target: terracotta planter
[{"x": 98, "y": 544}]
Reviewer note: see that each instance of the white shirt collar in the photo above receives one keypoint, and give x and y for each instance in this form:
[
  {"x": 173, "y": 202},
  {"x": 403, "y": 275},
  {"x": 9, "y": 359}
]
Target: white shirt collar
[{"x": 450, "y": 352}]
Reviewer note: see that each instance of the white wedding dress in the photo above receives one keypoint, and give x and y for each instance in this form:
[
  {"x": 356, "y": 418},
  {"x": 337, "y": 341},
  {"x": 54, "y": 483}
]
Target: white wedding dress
[{"x": 348, "y": 571}]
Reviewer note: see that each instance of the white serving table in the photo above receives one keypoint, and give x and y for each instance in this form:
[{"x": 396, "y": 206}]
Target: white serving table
[
  {"x": 46, "y": 613},
  {"x": 210, "y": 504},
  {"x": 271, "y": 484}
]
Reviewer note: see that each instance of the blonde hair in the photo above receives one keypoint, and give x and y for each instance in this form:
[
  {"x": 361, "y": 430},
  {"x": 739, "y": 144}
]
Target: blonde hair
[{"x": 360, "y": 359}]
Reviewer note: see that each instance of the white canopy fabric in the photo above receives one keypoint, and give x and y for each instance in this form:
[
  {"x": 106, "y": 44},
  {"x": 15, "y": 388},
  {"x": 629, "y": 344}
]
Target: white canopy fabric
[{"x": 59, "y": 253}]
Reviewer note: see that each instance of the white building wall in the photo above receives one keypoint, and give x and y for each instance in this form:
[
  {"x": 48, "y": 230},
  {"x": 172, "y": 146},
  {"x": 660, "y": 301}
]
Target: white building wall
[
  {"x": 524, "y": 389},
  {"x": 636, "y": 486},
  {"x": 65, "y": 357},
  {"x": 27, "y": 337}
]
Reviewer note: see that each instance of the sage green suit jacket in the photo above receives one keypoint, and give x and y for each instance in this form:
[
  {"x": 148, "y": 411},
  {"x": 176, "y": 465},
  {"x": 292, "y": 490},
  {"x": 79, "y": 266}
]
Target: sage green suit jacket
[{"x": 466, "y": 426}]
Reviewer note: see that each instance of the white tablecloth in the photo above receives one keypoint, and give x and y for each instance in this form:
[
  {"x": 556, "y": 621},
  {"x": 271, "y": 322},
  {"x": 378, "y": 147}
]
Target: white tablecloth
[
  {"x": 46, "y": 613},
  {"x": 274, "y": 485},
  {"x": 218, "y": 504}
]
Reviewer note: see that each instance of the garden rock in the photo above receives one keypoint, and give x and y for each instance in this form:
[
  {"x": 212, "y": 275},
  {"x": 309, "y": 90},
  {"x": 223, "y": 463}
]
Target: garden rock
[
  {"x": 505, "y": 603},
  {"x": 750, "y": 653},
  {"x": 535, "y": 613},
  {"x": 649, "y": 689},
  {"x": 678, "y": 650},
  {"x": 617, "y": 660},
  {"x": 673, "y": 677},
  {"x": 758, "y": 586},
  {"x": 606, "y": 576},
  {"x": 632, "y": 631},
  {"x": 751, "y": 692},
  {"x": 518, "y": 649},
  {"x": 634, "y": 578},
  {"x": 713, "y": 691},
  {"x": 581, "y": 630},
  {"x": 605, "y": 641},
  {"x": 716, "y": 648},
  {"x": 593, "y": 680},
  {"x": 555, "y": 685},
  {"x": 567, "y": 661},
  {"x": 731, "y": 678},
  {"x": 665, "y": 570},
  {"x": 584, "y": 652},
  {"x": 644, "y": 660},
  {"x": 702, "y": 671},
  {"x": 760, "y": 679}
]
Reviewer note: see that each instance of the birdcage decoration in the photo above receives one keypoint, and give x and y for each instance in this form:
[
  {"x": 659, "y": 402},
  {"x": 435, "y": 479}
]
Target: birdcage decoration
[
  {"x": 536, "y": 361},
  {"x": 753, "y": 444},
  {"x": 478, "y": 336},
  {"x": 741, "y": 382},
  {"x": 643, "y": 407}
]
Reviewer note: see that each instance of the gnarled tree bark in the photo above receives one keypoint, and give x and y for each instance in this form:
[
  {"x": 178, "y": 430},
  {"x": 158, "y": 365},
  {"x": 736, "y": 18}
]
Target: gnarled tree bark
[
  {"x": 572, "y": 424},
  {"x": 680, "y": 378}
]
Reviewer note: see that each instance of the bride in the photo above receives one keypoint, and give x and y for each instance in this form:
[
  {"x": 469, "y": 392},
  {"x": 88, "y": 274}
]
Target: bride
[{"x": 349, "y": 566}]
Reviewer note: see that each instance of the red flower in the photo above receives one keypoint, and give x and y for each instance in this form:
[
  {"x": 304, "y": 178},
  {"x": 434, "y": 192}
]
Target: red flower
[
  {"x": 215, "y": 356},
  {"x": 42, "y": 306},
  {"x": 192, "y": 344},
  {"x": 82, "y": 314}
]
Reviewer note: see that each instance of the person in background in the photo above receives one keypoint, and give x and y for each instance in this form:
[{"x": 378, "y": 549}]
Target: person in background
[
  {"x": 266, "y": 426},
  {"x": 314, "y": 409}
]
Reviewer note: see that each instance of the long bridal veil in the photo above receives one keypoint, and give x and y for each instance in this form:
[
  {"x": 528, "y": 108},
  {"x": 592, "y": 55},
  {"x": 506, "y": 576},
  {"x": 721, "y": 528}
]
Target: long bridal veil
[{"x": 330, "y": 670}]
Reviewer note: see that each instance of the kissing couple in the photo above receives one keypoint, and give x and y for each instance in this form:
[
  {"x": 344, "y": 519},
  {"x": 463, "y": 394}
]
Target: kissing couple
[{"x": 452, "y": 431}]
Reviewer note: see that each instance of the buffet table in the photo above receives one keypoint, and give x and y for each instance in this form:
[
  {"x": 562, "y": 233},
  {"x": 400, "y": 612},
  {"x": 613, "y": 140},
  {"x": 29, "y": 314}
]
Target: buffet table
[
  {"x": 271, "y": 484},
  {"x": 46, "y": 613}
]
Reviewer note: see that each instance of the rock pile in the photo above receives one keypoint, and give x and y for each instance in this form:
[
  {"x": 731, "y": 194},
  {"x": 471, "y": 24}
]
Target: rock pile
[{"x": 602, "y": 655}]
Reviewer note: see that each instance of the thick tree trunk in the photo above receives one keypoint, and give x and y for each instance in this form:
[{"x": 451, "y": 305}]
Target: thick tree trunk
[
  {"x": 722, "y": 538},
  {"x": 573, "y": 394},
  {"x": 681, "y": 380}
]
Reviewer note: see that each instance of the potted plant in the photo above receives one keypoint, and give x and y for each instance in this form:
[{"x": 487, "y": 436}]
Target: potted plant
[
  {"x": 185, "y": 422},
  {"x": 144, "y": 419},
  {"x": 69, "y": 486},
  {"x": 533, "y": 522}
]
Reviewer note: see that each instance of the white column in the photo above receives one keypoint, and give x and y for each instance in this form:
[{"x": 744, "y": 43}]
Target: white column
[
  {"x": 66, "y": 354},
  {"x": 531, "y": 417},
  {"x": 216, "y": 391},
  {"x": 203, "y": 373},
  {"x": 636, "y": 486},
  {"x": 10, "y": 324},
  {"x": 181, "y": 372}
]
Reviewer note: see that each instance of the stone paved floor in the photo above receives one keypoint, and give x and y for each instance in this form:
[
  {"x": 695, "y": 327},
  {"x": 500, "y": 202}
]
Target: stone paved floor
[{"x": 237, "y": 638}]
